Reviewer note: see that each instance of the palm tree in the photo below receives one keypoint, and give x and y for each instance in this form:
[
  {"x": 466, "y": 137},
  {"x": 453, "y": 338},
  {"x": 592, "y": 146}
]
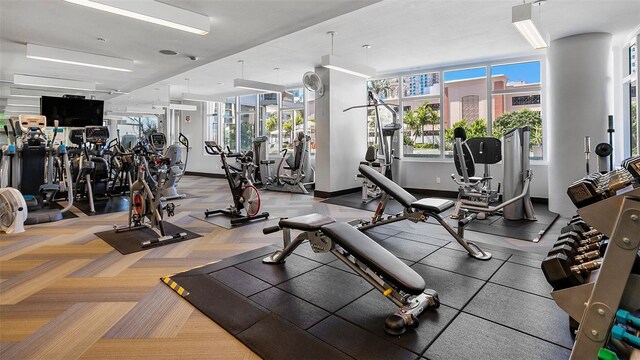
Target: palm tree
[{"x": 380, "y": 87}]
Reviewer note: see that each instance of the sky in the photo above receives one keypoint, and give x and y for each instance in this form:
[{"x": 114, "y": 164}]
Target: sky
[{"x": 527, "y": 72}]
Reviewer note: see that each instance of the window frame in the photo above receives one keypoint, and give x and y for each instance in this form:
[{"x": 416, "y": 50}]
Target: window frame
[{"x": 542, "y": 88}]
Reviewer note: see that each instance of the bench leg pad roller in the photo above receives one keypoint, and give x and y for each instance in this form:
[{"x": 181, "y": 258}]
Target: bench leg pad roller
[{"x": 407, "y": 316}]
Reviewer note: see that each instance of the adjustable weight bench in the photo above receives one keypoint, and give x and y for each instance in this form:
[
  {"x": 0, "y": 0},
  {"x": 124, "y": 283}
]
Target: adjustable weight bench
[
  {"x": 385, "y": 272},
  {"x": 415, "y": 210}
]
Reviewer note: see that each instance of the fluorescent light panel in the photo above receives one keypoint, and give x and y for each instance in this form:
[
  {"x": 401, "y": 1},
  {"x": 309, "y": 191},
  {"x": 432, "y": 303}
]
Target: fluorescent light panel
[
  {"x": 257, "y": 85},
  {"x": 345, "y": 66},
  {"x": 196, "y": 97},
  {"x": 142, "y": 110},
  {"x": 153, "y": 12},
  {"x": 40, "y": 52},
  {"x": 22, "y": 105},
  {"x": 38, "y": 81},
  {"x": 522, "y": 18}
]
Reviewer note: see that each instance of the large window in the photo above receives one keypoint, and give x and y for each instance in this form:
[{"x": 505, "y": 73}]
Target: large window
[
  {"x": 229, "y": 127},
  {"x": 212, "y": 116},
  {"x": 292, "y": 116},
  {"x": 269, "y": 120},
  {"x": 432, "y": 104},
  {"x": 516, "y": 102},
  {"x": 247, "y": 121},
  {"x": 465, "y": 104}
]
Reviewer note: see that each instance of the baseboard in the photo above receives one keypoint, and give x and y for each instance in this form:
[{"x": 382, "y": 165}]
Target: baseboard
[
  {"x": 328, "y": 194},
  {"x": 454, "y": 194},
  {"x": 209, "y": 175}
]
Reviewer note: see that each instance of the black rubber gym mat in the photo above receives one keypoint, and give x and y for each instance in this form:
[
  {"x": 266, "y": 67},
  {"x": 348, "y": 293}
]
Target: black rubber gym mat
[
  {"x": 128, "y": 242},
  {"x": 104, "y": 206},
  {"x": 522, "y": 277},
  {"x": 224, "y": 221},
  {"x": 306, "y": 309},
  {"x": 472, "y": 338},
  {"x": 523, "y": 230},
  {"x": 531, "y": 314}
]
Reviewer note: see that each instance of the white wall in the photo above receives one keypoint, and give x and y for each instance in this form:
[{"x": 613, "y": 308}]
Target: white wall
[
  {"x": 418, "y": 174},
  {"x": 195, "y": 131},
  {"x": 341, "y": 136}
]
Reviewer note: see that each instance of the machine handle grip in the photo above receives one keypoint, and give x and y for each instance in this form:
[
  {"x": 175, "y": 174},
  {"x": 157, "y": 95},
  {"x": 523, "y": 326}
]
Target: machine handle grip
[{"x": 271, "y": 229}]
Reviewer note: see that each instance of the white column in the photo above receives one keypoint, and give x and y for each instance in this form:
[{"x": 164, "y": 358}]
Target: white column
[
  {"x": 580, "y": 79},
  {"x": 340, "y": 136}
]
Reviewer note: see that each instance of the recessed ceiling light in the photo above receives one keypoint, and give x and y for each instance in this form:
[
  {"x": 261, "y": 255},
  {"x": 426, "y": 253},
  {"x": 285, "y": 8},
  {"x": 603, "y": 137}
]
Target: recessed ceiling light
[
  {"x": 168, "y": 52},
  {"x": 220, "y": 83},
  {"x": 101, "y": 39}
]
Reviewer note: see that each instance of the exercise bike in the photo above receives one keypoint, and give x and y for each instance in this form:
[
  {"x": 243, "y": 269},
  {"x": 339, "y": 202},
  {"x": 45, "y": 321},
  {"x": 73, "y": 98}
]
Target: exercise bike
[
  {"x": 245, "y": 195},
  {"x": 146, "y": 209}
]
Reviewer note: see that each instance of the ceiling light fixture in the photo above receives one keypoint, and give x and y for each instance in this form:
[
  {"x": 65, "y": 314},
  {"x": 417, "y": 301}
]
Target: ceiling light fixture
[
  {"x": 38, "y": 81},
  {"x": 242, "y": 83},
  {"x": 78, "y": 58},
  {"x": 196, "y": 97},
  {"x": 22, "y": 105},
  {"x": 153, "y": 12},
  {"x": 522, "y": 17},
  {"x": 335, "y": 63}
]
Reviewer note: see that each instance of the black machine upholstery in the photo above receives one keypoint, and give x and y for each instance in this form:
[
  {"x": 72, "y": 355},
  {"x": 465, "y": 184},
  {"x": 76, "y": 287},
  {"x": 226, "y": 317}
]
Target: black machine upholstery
[
  {"x": 375, "y": 257},
  {"x": 432, "y": 205},
  {"x": 388, "y": 186},
  {"x": 485, "y": 150},
  {"x": 311, "y": 222},
  {"x": 370, "y": 156}
]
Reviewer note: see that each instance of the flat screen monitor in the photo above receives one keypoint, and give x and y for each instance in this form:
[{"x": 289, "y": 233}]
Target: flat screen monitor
[{"x": 72, "y": 112}]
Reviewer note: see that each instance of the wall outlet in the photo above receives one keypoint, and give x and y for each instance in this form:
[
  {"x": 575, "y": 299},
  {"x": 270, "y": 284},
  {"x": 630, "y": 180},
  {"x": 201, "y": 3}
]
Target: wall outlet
[{"x": 437, "y": 180}]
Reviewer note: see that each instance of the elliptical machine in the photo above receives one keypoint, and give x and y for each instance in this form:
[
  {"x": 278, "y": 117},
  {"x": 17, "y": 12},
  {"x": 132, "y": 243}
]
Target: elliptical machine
[
  {"x": 177, "y": 168},
  {"x": 380, "y": 158},
  {"x": 294, "y": 172},
  {"x": 30, "y": 160},
  {"x": 245, "y": 195},
  {"x": 90, "y": 169}
]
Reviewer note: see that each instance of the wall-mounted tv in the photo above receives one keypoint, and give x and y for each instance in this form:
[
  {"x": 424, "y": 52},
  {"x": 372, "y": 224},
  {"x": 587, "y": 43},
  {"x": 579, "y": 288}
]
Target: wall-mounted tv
[{"x": 71, "y": 112}]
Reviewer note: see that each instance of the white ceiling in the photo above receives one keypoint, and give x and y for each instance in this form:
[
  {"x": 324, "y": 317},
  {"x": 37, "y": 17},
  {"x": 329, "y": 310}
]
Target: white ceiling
[
  {"x": 235, "y": 26},
  {"x": 290, "y": 35}
]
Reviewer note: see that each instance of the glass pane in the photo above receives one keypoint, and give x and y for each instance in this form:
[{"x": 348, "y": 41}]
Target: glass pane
[
  {"x": 269, "y": 120},
  {"x": 229, "y": 124},
  {"x": 247, "y": 131},
  {"x": 512, "y": 111},
  {"x": 138, "y": 126},
  {"x": 386, "y": 117},
  {"x": 293, "y": 98},
  {"x": 421, "y": 84},
  {"x": 515, "y": 76},
  {"x": 421, "y": 127},
  {"x": 213, "y": 121},
  {"x": 291, "y": 127},
  {"x": 465, "y": 104},
  {"x": 311, "y": 124},
  {"x": 633, "y": 94},
  {"x": 247, "y": 103},
  {"x": 384, "y": 88}
]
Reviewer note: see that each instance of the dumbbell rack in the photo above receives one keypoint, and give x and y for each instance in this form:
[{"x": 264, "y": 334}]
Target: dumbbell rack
[{"x": 595, "y": 303}]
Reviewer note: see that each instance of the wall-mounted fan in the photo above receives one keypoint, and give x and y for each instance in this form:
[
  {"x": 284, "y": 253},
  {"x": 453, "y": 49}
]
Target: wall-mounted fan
[
  {"x": 312, "y": 82},
  {"x": 13, "y": 211}
]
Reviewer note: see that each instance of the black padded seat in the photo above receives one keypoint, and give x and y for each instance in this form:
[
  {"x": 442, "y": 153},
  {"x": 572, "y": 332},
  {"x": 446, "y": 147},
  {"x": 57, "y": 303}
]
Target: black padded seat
[
  {"x": 375, "y": 257},
  {"x": 394, "y": 190},
  {"x": 432, "y": 205},
  {"x": 310, "y": 222}
]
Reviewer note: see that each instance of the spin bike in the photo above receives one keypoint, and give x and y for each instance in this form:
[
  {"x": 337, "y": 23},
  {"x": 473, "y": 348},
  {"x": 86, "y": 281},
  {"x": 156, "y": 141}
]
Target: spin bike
[
  {"x": 245, "y": 195},
  {"x": 145, "y": 204}
]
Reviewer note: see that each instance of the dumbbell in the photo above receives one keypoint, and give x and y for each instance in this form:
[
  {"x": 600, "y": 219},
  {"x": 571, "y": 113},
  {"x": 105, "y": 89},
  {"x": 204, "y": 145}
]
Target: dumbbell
[
  {"x": 581, "y": 228},
  {"x": 575, "y": 238},
  {"x": 573, "y": 253},
  {"x": 562, "y": 272},
  {"x": 625, "y": 317},
  {"x": 601, "y": 246}
]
